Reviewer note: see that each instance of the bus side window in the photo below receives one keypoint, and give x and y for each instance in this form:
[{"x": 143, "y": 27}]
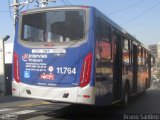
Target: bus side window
[
  {"x": 104, "y": 30},
  {"x": 103, "y": 36},
  {"x": 126, "y": 58},
  {"x": 152, "y": 61},
  {"x": 139, "y": 55}
]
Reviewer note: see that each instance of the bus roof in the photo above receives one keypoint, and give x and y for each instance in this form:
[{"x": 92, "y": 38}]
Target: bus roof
[
  {"x": 128, "y": 35},
  {"x": 57, "y": 7}
]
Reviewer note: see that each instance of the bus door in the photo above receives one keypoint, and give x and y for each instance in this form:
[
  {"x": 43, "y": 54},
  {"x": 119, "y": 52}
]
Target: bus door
[
  {"x": 135, "y": 67},
  {"x": 117, "y": 74}
]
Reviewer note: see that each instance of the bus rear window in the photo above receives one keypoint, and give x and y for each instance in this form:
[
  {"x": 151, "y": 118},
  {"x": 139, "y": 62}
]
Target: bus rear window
[{"x": 54, "y": 26}]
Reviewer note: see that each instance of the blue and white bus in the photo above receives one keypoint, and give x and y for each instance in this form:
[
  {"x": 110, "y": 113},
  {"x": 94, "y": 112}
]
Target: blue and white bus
[{"x": 76, "y": 54}]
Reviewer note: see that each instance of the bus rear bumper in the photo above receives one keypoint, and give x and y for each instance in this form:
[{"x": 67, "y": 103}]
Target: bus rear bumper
[
  {"x": 15, "y": 88},
  {"x": 68, "y": 94}
]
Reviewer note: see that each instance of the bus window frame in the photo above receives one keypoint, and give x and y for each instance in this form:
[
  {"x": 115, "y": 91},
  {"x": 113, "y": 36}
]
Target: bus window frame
[
  {"x": 30, "y": 44},
  {"x": 125, "y": 45},
  {"x": 128, "y": 49},
  {"x": 98, "y": 36}
]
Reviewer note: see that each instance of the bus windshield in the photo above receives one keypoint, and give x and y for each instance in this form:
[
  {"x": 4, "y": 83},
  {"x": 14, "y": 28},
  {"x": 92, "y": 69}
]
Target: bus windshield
[{"x": 54, "y": 26}]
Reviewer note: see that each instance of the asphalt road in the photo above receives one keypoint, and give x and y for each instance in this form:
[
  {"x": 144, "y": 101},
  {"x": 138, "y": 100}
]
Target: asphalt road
[{"x": 142, "y": 107}]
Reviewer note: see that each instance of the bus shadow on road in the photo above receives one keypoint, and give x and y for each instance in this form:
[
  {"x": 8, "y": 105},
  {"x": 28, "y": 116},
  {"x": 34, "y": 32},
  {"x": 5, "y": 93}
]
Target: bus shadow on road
[
  {"x": 90, "y": 112},
  {"x": 138, "y": 104},
  {"x": 84, "y": 112}
]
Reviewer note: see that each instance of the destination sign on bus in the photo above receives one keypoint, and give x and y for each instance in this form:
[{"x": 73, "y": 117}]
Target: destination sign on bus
[{"x": 56, "y": 51}]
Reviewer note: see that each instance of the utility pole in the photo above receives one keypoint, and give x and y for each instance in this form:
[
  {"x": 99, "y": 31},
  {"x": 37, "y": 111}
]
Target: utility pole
[
  {"x": 15, "y": 8},
  {"x": 16, "y": 4},
  {"x": 44, "y": 3}
]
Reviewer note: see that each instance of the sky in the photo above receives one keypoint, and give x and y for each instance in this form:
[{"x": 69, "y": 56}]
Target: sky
[{"x": 141, "y": 18}]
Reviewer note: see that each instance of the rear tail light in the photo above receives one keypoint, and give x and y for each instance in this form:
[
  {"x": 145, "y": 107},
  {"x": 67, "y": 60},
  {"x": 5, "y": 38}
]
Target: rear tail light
[
  {"x": 16, "y": 68},
  {"x": 86, "y": 70}
]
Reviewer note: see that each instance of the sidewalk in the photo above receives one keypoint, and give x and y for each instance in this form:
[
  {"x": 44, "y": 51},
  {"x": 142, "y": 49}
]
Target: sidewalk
[
  {"x": 10, "y": 98},
  {"x": 11, "y": 101}
]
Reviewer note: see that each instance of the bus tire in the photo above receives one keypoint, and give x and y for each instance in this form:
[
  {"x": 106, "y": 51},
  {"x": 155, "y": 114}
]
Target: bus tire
[{"x": 125, "y": 97}]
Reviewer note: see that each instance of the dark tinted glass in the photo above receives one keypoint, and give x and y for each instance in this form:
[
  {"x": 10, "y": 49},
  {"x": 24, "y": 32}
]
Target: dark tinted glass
[{"x": 54, "y": 26}]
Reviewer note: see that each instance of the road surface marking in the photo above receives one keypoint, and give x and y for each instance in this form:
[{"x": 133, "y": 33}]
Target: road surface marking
[
  {"x": 24, "y": 112},
  {"x": 35, "y": 104},
  {"x": 41, "y": 117},
  {"x": 4, "y": 109}
]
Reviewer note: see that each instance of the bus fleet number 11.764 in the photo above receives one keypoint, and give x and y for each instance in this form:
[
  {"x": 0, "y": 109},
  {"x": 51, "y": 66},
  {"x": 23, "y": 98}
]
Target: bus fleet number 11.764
[{"x": 66, "y": 70}]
